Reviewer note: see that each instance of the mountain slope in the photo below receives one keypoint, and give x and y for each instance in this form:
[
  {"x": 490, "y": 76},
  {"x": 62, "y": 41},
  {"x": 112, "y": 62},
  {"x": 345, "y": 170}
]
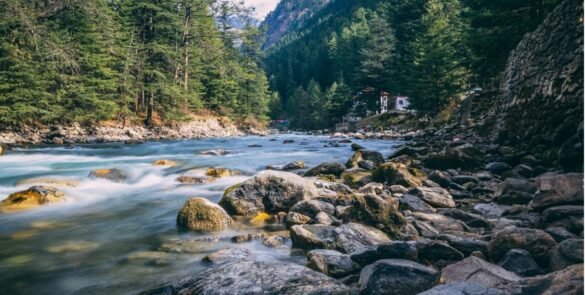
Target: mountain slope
[{"x": 288, "y": 15}]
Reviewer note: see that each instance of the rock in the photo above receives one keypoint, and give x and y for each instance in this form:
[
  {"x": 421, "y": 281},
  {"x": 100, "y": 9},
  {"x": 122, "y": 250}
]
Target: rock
[
  {"x": 566, "y": 253},
  {"x": 463, "y": 288},
  {"x": 470, "y": 219},
  {"x": 440, "y": 177},
  {"x": 221, "y": 172},
  {"x": 274, "y": 241},
  {"x": 346, "y": 238},
  {"x": 115, "y": 175},
  {"x": 199, "y": 214},
  {"x": 194, "y": 179},
  {"x": 367, "y": 165},
  {"x": 395, "y": 173},
  {"x": 73, "y": 247},
  {"x": 296, "y": 165},
  {"x": 438, "y": 253},
  {"x": 324, "y": 218},
  {"x": 554, "y": 190},
  {"x": 537, "y": 242},
  {"x": 326, "y": 169},
  {"x": 391, "y": 250},
  {"x": 441, "y": 222},
  {"x": 435, "y": 196},
  {"x": 164, "y": 163},
  {"x": 245, "y": 238},
  {"x": 228, "y": 255},
  {"x": 356, "y": 177},
  {"x": 2, "y": 149},
  {"x": 31, "y": 198},
  {"x": 246, "y": 277},
  {"x": 553, "y": 214},
  {"x": 377, "y": 210},
  {"x": 356, "y": 147},
  {"x": 568, "y": 281},
  {"x": 288, "y": 141},
  {"x": 463, "y": 179},
  {"x": 398, "y": 189},
  {"x": 269, "y": 191},
  {"x": 50, "y": 181},
  {"x": 515, "y": 191},
  {"x": 293, "y": 218},
  {"x": 491, "y": 210},
  {"x": 464, "y": 244},
  {"x": 376, "y": 157},
  {"x": 464, "y": 156},
  {"x": 217, "y": 152},
  {"x": 559, "y": 233},
  {"x": 497, "y": 167},
  {"x": 153, "y": 258},
  {"x": 331, "y": 263},
  {"x": 414, "y": 203},
  {"x": 396, "y": 276},
  {"x": 520, "y": 262},
  {"x": 372, "y": 188},
  {"x": 311, "y": 208},
  {"x": 476, "y": 270}
]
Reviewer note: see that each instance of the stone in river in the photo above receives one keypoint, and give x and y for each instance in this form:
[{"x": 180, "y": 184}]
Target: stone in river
[
  {"x": 114, "y": 174},
  {"x": 397, "y": 276},
  {"x": 31, "y": 198},
  {"x": 199, "y": 214}
]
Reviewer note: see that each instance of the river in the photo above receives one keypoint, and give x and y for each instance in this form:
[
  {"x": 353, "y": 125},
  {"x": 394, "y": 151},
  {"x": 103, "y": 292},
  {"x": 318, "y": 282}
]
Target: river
[{"x": 120, "y": 238}]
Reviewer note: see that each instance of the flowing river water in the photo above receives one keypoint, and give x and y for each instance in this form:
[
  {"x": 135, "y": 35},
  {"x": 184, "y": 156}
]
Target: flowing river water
[{"x": 120, "y": 238}]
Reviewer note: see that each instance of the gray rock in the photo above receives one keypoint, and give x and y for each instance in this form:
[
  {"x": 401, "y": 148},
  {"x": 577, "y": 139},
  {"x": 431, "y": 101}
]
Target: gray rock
[
  {"x": 367, "y": 164},
  {"x": 491, "y": 210},
  {"x": 228, "y": 255},
  {"x": 554, "y": 190},
  {"x": 464, "y": 156},
  {"x": 470, "y": 219},
  {"x": 566, "y": 253},
  {"x": 440, "y": 177},
  {"x": 311, "y": 208},
  {"x": 414, "y": 203},
  {"x": 391, "y": 250},
  {"x": 560, "y": 233},
  {"x": 515, "y": 191},
  {"x": 464, "y": 288},
  {"x": 368, "y": 155},
  {"x": 396, "y": 276},
  {"x": 435, "y": 196},
  {"x": 346, "y": 238},
  {"x": 497, "y": 167},
  {"x": 464, "y": 244},
  {"x": 269, "y": 191},
  {"x": 520, "y": 262},
  {"x": 438, "y": 253},
  {"x": 476, "y": 270},
  {"x": 326, "y": 169},
  {"x": 331, "y": 263},
  {"x": 537, "y": 242},
  {"x": 247, "y": 277},
  {"x": 293, "y": 218}
]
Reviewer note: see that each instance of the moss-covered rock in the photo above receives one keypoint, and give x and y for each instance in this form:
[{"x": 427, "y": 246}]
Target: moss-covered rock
[
  {"x": 356, "y": 177},
  {"x": 113, "y": 174},
  {"x": 222, "y": 172},
  {"x": 365, "y": 155},
  {"x": 31, "y": 198},
  {"x": 397, "y": 173},
  {"x": 199, "y": 214}
]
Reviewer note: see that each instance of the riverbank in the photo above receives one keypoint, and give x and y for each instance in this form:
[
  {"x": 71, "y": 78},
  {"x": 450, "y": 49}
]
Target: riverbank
[{"x": 197, "y": 127}]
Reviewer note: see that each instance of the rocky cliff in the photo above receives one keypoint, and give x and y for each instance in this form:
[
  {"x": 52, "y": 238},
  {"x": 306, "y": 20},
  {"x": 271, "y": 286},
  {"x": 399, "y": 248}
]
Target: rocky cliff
[{"x": 540, "y": 107}]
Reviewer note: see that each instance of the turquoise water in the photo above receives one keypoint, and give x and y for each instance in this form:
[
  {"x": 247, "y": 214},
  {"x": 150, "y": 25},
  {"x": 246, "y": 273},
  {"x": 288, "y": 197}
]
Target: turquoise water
[{"x": 120, "y": 238}]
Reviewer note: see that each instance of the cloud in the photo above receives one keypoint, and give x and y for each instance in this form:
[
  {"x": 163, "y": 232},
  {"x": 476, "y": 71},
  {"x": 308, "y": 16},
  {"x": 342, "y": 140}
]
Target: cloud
[{"x": 263, "y": 7}]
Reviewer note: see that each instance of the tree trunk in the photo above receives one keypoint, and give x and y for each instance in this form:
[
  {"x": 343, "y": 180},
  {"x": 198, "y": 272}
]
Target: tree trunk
[{"x": 149, "y": 110}]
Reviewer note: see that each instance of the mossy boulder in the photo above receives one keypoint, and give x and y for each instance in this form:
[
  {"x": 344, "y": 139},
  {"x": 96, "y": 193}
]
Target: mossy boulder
[
  {"x": 222, "y": 172},
  {"x": 399, "y": 174},
  {"x": 31, "y": 198},
  {"x": 365, "y": 155},
  {"x": 326, "y": 169},
  {"x": 199, "y": 214},
  {"x": 114, "y": 174},
  {"x": 356, "y": 177}
]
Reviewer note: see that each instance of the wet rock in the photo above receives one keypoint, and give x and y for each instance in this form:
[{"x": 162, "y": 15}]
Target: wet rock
[
  {"x": 274, "y": 241},
  {"x": 395, "y": 173},
  {"x": 520, "y": 262},
  {"x": 216, "y": 152},
  {"x": 414, "y": 203},
  {"x": 346, "y": 238},
  {"x": 248, "y": 237},
  {"x": 153, "y": 258},
  {"x": 326, "y": 169},
  {"x": 470, "y": 219},
  {"x": 331, "y": 263},
  {"x": 294, "y": 218},
  {"x": 464, "y": 244},
  {"x": 31, "y": 198},
  {"x": 396, "y": 276},
  {"x": 554, "y": 190},
  {"x": 73, "y": 247},
  {"x": 49, "y": 181},
  {"x": 392, "y": 250},
  {"x": 199, "y": 214},
  {"x": 438, "y": 253},
  {"x": 560, "y": 233},
  {"x": 553, "y": 214},
  {"x": 311, "y": 208},
  {"x": 566, "y": 253},
  {"x": 269, "y": 191},
  {"x": 537, "y": 242},
  {"x": 462, "y": 179},
  {"x": 367, "y": 165},
  {"x": 465, "y": 157},
  {"x": 491, "y": 210},
  {"x": 228, "y": 255},
  {"x": 441, "y": 222},
  {"x": 515, "y": 191},
  {"x": 356, "y": 147},
  {"x": 221, "y": 172},
  {"x": 194, "y": 179},
  {"x": 476, "y": 270},
  {"x": 246, "y": 277},
  {"x": 463, "y": 288},
  {"x": 368, "y": 155},
  {"x": 115, "y": 175},
  {"x": 497, "y": 167},
  {"x": 372, "y": 188},
  {"x": 440, "y": 177},
  {"x": 435, "y": 196},
  {"x": 356, "y": 177},
  {"x": 568, "y": 281},
  {"x": 168, "y": 163},
  {"x": 380, "y": 211},
  {"x": 296, "y": 165},
  {"x": 324, "y": 218}
]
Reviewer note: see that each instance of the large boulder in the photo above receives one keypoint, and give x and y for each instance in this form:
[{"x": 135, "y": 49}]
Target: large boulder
[
  {"x": 269, "y": 191},
  {"x": 31, "y": 198},
  {"x": 520, "y": 262},
  {"x": 566, "y": 253},
  {"x": 365, "y": 155},
  {"x": 514, "y": 191},
  {"x": 380, "y": 211},
  {"x": 464, "y": 156},
  {"x": 537, "y": 242},
  {"x": 347, "y": 238},
  {"x": 326, "y": 169},
  {"x": 331, "y": 263},
  {"x": 568, "y": 281},
  {"x": 554, "y": 190},
  {"x": 435, "y": 196},
  {"x": 246, "y": 277},
  {"x": 396, "y": 173},
  {"x": 477, "y": 270},
  {"x": 199, "y": 214},
  {"x": 397, "y": 276}
]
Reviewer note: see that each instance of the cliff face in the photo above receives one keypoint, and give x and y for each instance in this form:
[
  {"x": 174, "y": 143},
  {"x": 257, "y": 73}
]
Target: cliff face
[{"x": 540, "y": 106}]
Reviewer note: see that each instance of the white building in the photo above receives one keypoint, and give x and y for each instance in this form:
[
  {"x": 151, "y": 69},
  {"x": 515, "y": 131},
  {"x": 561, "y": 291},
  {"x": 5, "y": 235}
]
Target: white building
[{"x": 401, "y": 103}]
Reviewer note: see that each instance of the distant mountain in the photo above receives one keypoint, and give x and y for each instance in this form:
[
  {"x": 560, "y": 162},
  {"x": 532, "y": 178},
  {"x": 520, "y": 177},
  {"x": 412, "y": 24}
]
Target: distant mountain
[
  {"x": 289, "y": 15},
  {"x": 238, "y": 22}
]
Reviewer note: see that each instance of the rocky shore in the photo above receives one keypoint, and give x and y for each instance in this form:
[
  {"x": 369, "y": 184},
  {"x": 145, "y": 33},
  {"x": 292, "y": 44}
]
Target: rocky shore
[{"x": 204, "y": 127}]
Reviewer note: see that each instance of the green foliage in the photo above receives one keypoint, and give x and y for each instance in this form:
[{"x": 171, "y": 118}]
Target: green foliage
[{"x": 88, "y": 61}]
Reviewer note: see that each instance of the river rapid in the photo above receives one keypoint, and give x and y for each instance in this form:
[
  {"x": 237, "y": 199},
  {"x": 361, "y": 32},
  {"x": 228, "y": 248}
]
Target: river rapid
[{"x": 120, "y": 238}]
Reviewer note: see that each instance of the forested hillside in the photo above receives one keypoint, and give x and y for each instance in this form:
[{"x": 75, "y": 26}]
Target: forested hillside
[
  {"x": 150, "y": 61},
  {"x": 429, "y": 50}
]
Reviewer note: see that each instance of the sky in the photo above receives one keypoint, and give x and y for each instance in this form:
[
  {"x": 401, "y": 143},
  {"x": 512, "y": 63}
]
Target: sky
[{"x": 263, "y": 7}]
